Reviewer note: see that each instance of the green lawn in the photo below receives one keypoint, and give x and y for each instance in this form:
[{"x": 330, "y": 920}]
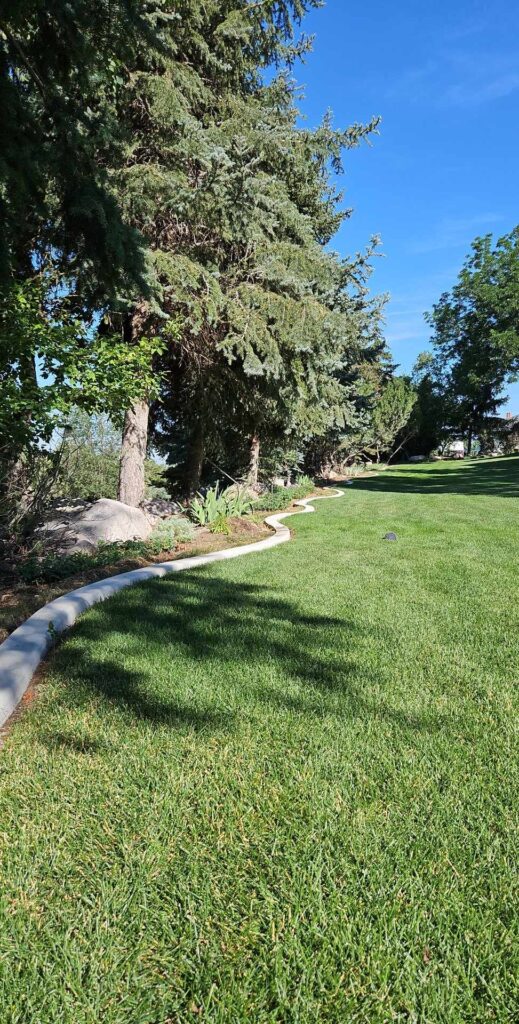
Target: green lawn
[{"x": 282, "y": 789}]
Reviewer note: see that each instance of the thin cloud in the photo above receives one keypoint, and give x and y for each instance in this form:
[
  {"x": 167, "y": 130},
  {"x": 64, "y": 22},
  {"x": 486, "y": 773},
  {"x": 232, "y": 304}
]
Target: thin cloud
[
  {"x": 467, "y": 93},
  {"x": 470, "y": 28},
  {"x": 405, "y": 325},
  {"x": 456, "y": 232},
  {"x": 415, "y": 332},
  {"x": 458, "y": 78},
  {"x": 405, "y": 313}
]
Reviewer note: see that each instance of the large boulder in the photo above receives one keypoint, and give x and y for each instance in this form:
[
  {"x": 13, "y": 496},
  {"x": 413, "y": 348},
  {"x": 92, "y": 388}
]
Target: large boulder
[
  {"x": 156, "y": 509},
  {"x": 80, "y": 527}
]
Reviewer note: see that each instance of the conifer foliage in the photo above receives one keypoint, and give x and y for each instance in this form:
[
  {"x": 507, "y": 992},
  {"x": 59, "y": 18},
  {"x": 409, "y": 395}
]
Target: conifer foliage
[
  {"x": 236, "y": 204},
  {"x": 158, "y": 176}
]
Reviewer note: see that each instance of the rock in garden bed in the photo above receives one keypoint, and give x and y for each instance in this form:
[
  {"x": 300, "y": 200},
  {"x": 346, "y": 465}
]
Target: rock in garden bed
[
  {"x": 80, "y": 526},
  {"x": 160, "y": 508}
]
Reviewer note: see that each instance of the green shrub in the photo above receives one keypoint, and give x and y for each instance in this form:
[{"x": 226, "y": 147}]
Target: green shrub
[
  {"x": 168, "y": 533},
  {"x": 58, "y": 567},
  {"x": 273, "y": 501},
  {"x": 301, "y": 490},
  {"x": 165, "y": 537},
  {"x": 306, "y": 482},
  {"x": 281, "y": 497}
]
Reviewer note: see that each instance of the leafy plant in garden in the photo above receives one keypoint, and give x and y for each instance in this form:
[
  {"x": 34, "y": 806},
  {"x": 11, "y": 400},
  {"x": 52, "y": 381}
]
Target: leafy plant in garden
[
  {"x": 221, "y": 525},
  {"x": 237, "y": 501},
  {"x": 215, "y": 504},
  {"x": 205, "y": 508},
  {"x": 168, "y": 533}
]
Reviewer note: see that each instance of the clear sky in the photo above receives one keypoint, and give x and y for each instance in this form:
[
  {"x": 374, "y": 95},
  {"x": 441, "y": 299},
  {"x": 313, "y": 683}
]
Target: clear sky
[{"x": 444, "y": 77}]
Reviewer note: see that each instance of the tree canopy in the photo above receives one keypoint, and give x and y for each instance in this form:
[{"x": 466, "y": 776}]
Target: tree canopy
[
  {"x": 167, "y": 234},
  {"x": 476, "y": 334},
  {"x": 61, "y": 69}
]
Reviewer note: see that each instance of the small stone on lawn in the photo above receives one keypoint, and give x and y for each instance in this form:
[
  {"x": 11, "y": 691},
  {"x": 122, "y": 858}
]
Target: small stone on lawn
[{"x": 390, "y": 536}]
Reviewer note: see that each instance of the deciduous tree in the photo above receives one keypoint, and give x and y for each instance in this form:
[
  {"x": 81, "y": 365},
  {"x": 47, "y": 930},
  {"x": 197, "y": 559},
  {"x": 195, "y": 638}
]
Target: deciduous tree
[{"x": 476, "y": 334}]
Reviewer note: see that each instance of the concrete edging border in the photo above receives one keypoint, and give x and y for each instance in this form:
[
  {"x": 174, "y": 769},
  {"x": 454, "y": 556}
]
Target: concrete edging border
[{"x": 27, "y": 646}]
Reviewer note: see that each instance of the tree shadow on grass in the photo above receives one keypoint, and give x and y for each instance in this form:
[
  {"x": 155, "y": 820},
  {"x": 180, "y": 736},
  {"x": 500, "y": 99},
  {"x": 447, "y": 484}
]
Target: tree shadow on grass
[
  {"x": 497, "y": 478},
  {"x": 251, "y": 640},
  {"x": 76, "y": 744}
]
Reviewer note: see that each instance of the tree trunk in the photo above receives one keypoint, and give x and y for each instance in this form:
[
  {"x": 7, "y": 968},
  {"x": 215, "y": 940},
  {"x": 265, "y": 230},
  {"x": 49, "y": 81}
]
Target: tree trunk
[
  {"x": 134, "y": 442},
  {"x": 400, "y": 446},
  {"x": 195, "y": 459},
  {"x": 133, "y": 454},
  {"x": 469, "y": 441},
  {"x": 252, "y": 476}
]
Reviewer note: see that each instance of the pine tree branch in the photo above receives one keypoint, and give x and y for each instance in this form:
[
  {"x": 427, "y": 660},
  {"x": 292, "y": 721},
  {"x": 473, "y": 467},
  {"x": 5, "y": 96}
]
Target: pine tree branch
[{"x": 25, "y": 61}]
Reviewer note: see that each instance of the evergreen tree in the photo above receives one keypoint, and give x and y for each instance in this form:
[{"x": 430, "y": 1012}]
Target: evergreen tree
[
  {"x": 429, "y": 417},
  {"x": 235, "y": 204},
  {"x": 61, "y": 68},
  {"x": 65, "y": 247},
  {"x": 172, "y": 190},
  {"x": 364, "y": 371},
  {"x": 390, "y": 417}
]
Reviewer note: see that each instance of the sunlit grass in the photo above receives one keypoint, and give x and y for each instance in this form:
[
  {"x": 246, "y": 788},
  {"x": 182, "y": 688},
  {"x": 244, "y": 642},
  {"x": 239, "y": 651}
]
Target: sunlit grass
[{"x": 282, "y": 789}]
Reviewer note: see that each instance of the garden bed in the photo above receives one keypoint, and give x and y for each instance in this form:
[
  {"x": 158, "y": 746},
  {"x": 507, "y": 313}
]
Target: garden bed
[{"x": 19, "y": 599}]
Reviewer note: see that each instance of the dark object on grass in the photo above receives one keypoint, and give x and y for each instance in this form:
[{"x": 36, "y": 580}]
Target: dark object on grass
[{"x": 390, "y": 536}]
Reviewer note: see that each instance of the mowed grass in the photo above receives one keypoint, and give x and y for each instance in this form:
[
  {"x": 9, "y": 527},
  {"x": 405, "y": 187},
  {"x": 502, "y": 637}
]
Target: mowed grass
[{"x": 283, "y": 789}]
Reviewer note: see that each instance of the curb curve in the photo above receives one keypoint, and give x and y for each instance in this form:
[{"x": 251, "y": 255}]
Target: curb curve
[{"x": 26, "y": 647}]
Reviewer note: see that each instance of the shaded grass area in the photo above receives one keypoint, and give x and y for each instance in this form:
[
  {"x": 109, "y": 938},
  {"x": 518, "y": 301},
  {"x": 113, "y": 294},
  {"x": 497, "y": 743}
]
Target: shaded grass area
[{"x": 282, "y": 789}]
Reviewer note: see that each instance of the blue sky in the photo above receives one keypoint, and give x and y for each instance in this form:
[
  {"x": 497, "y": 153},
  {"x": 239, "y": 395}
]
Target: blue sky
[{"x": 444, "y": 77}]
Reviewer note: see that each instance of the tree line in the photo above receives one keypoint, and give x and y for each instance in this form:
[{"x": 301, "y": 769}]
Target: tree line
[
  {"x": 165, "y": 244},
  {"x": 165, "y": 250},
  {"x": 461, "y": 382}
]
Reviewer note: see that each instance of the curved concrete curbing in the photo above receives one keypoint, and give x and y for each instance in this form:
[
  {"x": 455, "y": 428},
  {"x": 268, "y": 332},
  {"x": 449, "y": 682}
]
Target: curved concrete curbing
[{"x": 26, "y": 647}]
